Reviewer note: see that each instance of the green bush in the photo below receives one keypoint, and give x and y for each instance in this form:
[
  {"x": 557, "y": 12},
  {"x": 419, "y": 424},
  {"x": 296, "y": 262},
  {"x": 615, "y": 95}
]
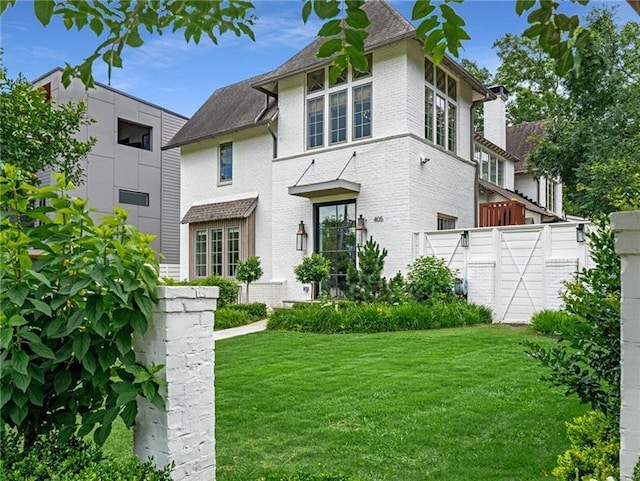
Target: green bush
[
  {"x": 429, "y": 278},
  {"x": 235, "y": 315},
  {"x": 594, "y": 449},
  {"x": 255, "y": 310},
  {"x": 365, "y": 283},
  {"x": 636, "y": 472},
  {"x": 344, "y": 317},
  {"x": 228, "y": 287},
  {"x": 75, "y": 460},
  {"x": 557, "y": 323}
]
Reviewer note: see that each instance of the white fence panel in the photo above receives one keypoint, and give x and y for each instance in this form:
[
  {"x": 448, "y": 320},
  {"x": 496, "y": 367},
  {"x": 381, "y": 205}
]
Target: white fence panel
[{"x": 516, "y": 271}]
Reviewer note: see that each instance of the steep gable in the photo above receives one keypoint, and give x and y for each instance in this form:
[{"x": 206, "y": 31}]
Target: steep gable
[{"x": 519, "y": 142}]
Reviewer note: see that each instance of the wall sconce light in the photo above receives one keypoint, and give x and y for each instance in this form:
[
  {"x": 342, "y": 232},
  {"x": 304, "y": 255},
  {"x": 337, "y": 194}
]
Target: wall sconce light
[
  {"x": 580, "y": 233},
  {"x": 301, "y": 238},
  {"x": 361, "y": 230},
  {"x": 464, "y": 238}
]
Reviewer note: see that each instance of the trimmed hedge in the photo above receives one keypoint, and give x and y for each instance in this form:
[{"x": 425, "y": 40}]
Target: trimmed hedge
[
  {"x": 345, "y": 317},
  {"x": 557, "y": 323},
  {"x": 228, "y": 287},
  {"x": 76, "y": 460},
  {"x": 235, "y": 315}
]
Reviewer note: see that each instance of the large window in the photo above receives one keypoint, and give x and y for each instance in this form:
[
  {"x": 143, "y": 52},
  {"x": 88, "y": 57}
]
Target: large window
[
  {"x": 440, "y": 107},
  {"x": 225, "y": 172},
  {"x": 491, "y": 166},
  {"x": 336, "y": 241},
  {"x": 342, "y": 110},
  {"x": 218, "y": 246},
  {"x": 134, "y": 135}
]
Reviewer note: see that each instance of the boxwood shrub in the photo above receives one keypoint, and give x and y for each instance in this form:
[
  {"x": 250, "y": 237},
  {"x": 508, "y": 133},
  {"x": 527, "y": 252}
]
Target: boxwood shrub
[
  {"x": 348, "y": 317},
  {"x": 557, "y": 323},
  {"x": 234, "y": 315},
  {"x": 75, "y": 460},
  {"x": 228, "y": 287}
]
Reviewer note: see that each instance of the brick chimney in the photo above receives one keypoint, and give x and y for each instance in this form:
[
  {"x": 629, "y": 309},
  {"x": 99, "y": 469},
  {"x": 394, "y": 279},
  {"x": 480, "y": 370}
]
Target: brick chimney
[{"x": 495, "y": 117}]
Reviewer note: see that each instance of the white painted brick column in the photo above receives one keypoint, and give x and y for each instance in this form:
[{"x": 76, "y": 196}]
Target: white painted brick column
[
  {"x": 181, "y": 338},
  {"x": 626, "y": 226}
]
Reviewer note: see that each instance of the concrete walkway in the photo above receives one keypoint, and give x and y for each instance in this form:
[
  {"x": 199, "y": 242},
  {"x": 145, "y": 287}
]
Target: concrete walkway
[{"x": 240, "y": 331}]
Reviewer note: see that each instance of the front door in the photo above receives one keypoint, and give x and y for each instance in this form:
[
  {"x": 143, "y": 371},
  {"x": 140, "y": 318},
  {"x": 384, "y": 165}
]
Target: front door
[{"x": 336, "y": 241}]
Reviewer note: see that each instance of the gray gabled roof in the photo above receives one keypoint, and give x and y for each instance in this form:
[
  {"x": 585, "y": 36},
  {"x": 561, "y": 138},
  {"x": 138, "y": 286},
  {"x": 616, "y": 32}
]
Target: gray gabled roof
[
  {"x": 491, "y": 146},
  {"x": 521, "y": 140},
  {"x": 229, "y": 109},
  {"x": 234, "y": 209},
  {"x": 387, "y": 26}
]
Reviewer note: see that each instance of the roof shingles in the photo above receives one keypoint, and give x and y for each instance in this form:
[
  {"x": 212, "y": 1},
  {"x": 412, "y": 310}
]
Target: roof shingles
[{"x": 235, "y": 209}]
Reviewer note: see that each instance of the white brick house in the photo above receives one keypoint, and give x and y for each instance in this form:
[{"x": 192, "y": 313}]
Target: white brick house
[{"x": 393, "y": 146}]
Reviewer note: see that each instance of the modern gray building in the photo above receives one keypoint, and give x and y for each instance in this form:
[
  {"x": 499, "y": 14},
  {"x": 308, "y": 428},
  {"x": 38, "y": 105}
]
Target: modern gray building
[{"x": 127, "y": 167}]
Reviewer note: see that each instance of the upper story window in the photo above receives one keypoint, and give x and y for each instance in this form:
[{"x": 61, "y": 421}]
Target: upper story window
[
  {"x": 440, "y": 106},
  {"x": 225, "y": 164},
  {"x": 551, "y": 187},
  {"x": 340, "y": 112},
  {"x": 446, "y": 222},
  {"x": 491, "y": 166},
  {"x": 134, "y": 135}
]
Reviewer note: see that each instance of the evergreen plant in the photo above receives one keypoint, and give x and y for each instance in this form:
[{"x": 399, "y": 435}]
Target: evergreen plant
[{"x": 365, "y": 283}]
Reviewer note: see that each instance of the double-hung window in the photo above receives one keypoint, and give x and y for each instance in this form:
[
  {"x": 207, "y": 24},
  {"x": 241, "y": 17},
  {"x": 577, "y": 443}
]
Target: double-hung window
[
  {"x": 440, "y": 107},
  {"x": 216, "y": 251},
  {"x": 339, "y": 112}
]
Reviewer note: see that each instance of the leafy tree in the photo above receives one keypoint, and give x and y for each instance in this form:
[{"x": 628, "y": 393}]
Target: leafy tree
[
  {"x": 313, "y": 270},
  {"x": 36, "y": 134},
  {"x": 537, "y": 92},
  {"x": 441, "y": 29},
  {"x": 249, "y": 271},
  {"x": 594, "y": 142},
  {"x": 429, "y": 278},
  {"x": 73, "y": 294},
  {"x": 484, "y": 76},
  {"x": 366, "y": 284}
]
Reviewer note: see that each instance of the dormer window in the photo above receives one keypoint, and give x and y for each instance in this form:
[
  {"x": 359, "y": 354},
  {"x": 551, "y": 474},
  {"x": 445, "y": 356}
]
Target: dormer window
[
  {"x": 492, "y": 167},
  {"x": 440, "y": 107},
  {"x": 342, "y": 110}
]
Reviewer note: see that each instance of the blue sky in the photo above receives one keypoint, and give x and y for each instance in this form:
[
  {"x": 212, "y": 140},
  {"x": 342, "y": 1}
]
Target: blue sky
[{"x": 180, "y": 77}]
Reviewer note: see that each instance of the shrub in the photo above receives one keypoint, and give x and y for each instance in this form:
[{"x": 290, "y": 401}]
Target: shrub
[
  {"x": 587, "y": 362},
  {"x": 235, "y": 315},
  {"x": 366, "y": 284},
  {"x": 557, "y": 323},
  {"x": 594, "y": 449},
  {"x": 429, "y": 278},
  {"x": 68, "y": 315},
  {"x": 313, "y": 270},
  {"x": 228, "y": 287},
  {"x": 636, "y": 472},
  {"x": 397, "y": 292},
  {"x": 74, "y": 460},
  {"x": 332, "y": 318}
]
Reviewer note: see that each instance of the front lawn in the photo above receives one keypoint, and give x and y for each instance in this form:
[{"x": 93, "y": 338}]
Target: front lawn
[{"x": 452, "y": 404}]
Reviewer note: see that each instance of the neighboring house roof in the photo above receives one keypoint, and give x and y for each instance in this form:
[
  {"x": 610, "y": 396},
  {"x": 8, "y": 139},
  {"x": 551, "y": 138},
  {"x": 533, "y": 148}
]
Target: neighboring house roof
[
  {"x": 509, "y": 194},
  {"x": 234, "y": 209},
  {"x": 519, "y": 141},
  {"x": 229, "y": 109},
  {"x": 120, "y": 92},
  {"x": 491, "y": 146}
]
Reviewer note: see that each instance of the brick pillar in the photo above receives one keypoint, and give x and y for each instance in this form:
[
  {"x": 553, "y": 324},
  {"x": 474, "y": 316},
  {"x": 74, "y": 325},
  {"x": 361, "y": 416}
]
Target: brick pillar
[
  {"x": 181, "y": 338},
  {"x": 626, "y": 226}
]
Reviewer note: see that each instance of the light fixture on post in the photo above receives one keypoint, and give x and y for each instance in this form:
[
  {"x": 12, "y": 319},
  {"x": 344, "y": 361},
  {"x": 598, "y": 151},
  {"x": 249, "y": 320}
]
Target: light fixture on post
[
  {"x": 464, "y": 238},
  {"x": 301, "y": 237},
  {"x": 580, "y": 233},
  {"x": 361, "y": 230}
]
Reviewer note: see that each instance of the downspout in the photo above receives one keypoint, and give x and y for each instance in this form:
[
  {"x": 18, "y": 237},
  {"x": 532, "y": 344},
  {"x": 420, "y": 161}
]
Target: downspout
[{"x": 476, "y": 182}]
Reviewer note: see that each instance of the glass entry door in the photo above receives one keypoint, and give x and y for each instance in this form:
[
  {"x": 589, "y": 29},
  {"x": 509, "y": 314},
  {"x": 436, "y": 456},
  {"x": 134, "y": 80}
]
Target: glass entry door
[{"x": 336, "y": 240}]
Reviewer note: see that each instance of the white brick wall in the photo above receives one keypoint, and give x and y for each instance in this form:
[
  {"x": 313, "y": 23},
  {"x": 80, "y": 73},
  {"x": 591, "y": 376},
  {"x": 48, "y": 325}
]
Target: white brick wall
[
  {"x": 270, "y": 293},
  {"x": 626, "y": 226},
  {"x": 181, "y": 338}
]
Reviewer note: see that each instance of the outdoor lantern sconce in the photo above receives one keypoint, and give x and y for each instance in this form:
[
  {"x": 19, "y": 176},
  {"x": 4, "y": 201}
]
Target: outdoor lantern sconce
[
  {"x": 301, "y": 238},
  {"x": 464, "y": 238},
  {"x": 361, "y": 229},
  {"x": 580, "y": 233}
]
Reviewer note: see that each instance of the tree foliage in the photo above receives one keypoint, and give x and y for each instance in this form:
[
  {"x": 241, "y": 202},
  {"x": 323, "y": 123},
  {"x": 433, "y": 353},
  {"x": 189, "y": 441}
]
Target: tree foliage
[
  {"x": 430, "y": 279},
  {"x": 345, "y": 23},
  {"x": 73, "y": 294},
  {"x": 249, "y": 271},
  {"x": 36, "y": 134},
  {"x": 313, "y": 270},
  {"x": 594, "y": 141},
  {"x": 366, "y": 284},
  {"x": 586, "y": 362}
]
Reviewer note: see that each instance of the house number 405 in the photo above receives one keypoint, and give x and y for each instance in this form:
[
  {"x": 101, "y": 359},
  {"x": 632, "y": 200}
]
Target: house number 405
[{"x": 378, "y": 218}]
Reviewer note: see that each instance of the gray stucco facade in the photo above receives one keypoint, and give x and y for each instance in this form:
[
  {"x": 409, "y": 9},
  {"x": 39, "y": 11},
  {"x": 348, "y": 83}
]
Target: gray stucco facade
[{"x": 127, "y": 167}]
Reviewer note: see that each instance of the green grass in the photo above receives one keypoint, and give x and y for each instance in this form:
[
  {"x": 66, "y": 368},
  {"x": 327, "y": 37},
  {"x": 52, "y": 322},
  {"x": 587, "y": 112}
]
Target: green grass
[{"x": 453, "y": 404}]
